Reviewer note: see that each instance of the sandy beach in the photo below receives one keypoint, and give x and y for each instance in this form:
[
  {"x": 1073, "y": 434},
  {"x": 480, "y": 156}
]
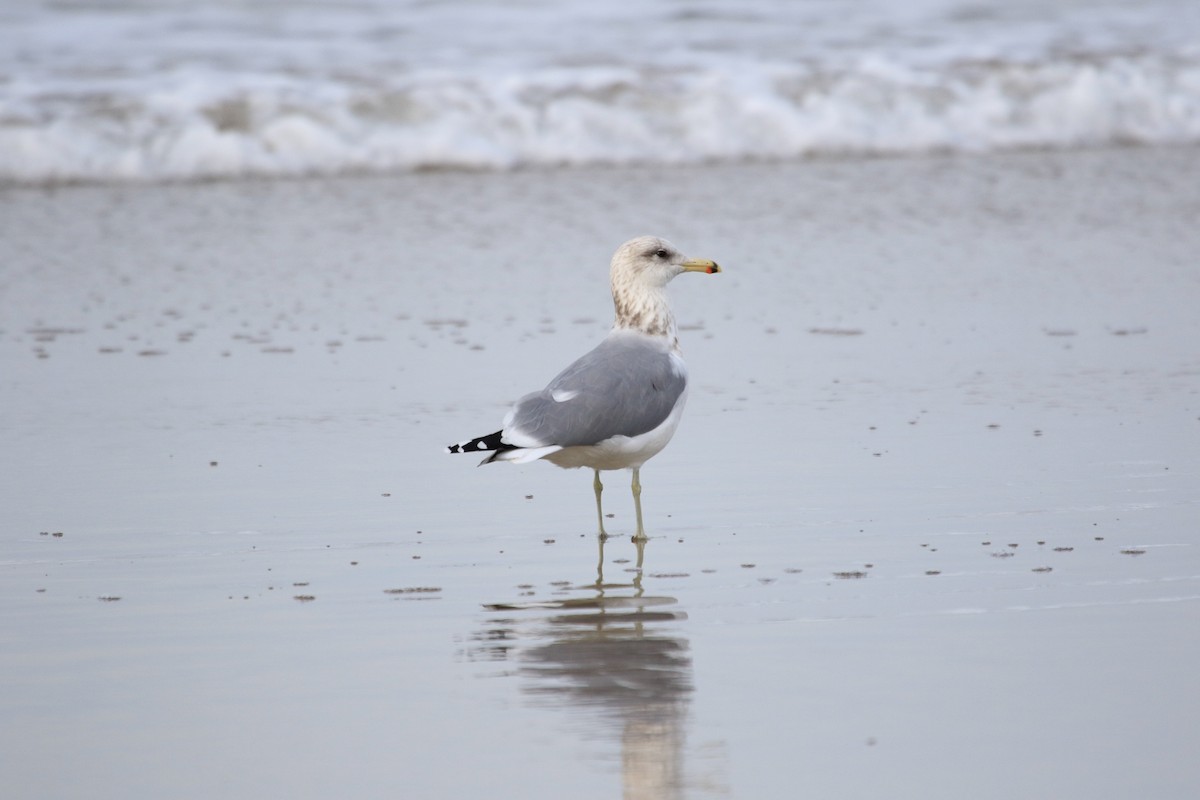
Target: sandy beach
[{"x": 930, "y": 526}]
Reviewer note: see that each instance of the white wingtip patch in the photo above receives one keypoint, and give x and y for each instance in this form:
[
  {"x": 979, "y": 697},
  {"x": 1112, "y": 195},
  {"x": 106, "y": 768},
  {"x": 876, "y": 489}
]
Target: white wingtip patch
[{"x": 561, "y": 396}]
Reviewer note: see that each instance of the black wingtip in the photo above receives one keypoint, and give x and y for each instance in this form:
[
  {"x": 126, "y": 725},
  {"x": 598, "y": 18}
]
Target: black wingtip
[{"x": 480, "y": 445}]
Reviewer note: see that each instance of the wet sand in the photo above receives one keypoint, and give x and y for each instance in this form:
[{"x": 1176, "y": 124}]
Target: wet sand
[{"x": 929, "y": 526}]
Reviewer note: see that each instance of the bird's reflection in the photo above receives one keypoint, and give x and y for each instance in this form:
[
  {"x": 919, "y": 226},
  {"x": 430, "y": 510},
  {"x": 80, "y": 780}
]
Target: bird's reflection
[{"x": 614, "y": 649}]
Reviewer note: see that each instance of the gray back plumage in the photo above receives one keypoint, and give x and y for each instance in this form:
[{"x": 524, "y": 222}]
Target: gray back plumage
[{"x": 626, "y": 386}]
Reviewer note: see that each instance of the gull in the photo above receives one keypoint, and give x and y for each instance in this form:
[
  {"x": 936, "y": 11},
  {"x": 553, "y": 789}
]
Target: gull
[{"x": 618, "y": 405}]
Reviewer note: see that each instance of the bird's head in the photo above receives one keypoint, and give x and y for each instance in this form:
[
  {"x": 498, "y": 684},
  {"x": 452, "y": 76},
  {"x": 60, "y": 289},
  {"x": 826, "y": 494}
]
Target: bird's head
[{"x": 651, "y": 262}]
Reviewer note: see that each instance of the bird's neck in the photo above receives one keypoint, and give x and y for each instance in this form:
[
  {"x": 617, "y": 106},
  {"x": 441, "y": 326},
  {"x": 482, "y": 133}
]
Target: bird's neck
[{"x": 645, "y": 311}]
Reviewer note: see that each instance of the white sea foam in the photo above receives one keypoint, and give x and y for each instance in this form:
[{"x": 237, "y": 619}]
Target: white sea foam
[{"x": 169, "y": 91}]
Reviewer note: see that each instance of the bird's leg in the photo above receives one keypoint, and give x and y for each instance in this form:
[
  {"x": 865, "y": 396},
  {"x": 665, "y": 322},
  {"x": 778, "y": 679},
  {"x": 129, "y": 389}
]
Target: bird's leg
[
  {"x": 600, "y": 565},
  {"x": 599, "y": 487},
  {"x": 637, "y": 504},
  {"x": 640, "y": 544}
]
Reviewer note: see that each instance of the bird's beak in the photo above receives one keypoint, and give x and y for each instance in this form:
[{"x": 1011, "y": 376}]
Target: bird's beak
[{"x": 701, "y": 265}]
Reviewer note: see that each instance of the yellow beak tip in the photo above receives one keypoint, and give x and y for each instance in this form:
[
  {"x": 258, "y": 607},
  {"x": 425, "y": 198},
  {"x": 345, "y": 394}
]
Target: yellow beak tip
[{"x": 702, "y": 265}]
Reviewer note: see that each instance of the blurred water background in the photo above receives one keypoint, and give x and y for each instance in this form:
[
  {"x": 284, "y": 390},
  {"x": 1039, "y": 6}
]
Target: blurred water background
[{"x": 181, "y": 90}]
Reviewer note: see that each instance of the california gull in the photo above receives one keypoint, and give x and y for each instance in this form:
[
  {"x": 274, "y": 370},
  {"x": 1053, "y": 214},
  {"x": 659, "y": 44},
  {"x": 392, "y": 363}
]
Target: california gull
[{"x": 617, "y": 406}]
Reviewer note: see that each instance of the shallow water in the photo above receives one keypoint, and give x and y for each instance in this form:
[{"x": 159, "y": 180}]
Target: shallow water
[
  {"x": 176, "y": 90},
  {"x": 929, "y": 521}
]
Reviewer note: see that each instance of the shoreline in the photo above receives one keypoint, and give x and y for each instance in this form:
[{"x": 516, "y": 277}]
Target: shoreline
[
  {"x": 781, "y": 162},
  {"x": 938, "y": 463}
]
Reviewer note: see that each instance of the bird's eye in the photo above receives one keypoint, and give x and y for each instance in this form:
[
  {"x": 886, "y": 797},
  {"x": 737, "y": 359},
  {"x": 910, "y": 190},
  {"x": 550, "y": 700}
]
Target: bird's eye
[{"x": 661, "y": 253}]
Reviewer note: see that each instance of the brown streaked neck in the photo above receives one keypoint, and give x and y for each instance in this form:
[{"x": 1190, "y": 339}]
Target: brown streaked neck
[{"x": 645, "y": 311}]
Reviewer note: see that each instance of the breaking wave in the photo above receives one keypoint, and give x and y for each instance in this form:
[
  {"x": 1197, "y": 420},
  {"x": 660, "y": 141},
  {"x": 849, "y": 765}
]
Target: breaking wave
[{"x": 185, "y": 125}]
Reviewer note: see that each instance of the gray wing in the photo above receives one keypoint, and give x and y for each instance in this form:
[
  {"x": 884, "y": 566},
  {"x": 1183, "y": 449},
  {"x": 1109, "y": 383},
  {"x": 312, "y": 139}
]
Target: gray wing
[{"x": 624, "y": 387}]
